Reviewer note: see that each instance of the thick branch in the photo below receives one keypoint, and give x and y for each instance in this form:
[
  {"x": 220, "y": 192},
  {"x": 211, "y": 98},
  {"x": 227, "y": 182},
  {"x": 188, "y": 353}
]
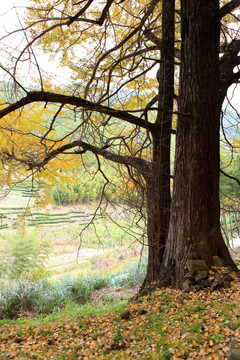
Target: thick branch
[
  {"x": 142, "y": 165},
  {"x": 158, "y": 42},
  {"x": 100, "y": 21},
  {"x": 228, "y": 62},
  {"x": 236, "y": 60},
  {"x": 79, "y": 13},
  {"x": 235, "y": 78},
  {"x": 230, "y": 50},
  {"x": 229, "y": 7},
  {"x": 35, "y": 96}
]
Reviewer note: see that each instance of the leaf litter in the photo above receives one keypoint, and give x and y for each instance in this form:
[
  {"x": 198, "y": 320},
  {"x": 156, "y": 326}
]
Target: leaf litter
[{"x": 167, "y": 324}]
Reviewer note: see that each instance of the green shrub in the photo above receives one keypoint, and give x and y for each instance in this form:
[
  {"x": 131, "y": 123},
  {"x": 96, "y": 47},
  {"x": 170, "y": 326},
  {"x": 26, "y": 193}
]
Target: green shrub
[
  {"x": 132, "y": 276},
  {"x": 43, "y": 297},
  {"x": 20, "y": 297},
  {"x": 22, "y": 254},
  {"x": 80, "y": 289}
]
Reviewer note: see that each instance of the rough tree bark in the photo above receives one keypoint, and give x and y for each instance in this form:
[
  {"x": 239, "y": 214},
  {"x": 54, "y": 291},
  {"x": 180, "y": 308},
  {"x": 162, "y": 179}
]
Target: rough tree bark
[
  {"x": 158, "y": 182},
  {"x": 194, "y": 230}
]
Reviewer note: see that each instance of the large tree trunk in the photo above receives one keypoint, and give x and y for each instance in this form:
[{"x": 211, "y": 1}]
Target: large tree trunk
[
  {"x": 194, "y": 231},
  {"x": 158, "y": 182}
]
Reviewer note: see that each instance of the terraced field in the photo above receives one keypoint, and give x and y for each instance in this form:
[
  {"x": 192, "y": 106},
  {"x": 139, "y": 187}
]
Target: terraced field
[
  {"x": 13, "y": 217},
  {"x": 21, "y": 204},
  {"x": 104, "y": 244}
]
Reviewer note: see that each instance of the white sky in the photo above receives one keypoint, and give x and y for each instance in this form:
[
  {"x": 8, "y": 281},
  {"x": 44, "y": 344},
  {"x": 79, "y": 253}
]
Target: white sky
[{"x": 11, "y": 12}]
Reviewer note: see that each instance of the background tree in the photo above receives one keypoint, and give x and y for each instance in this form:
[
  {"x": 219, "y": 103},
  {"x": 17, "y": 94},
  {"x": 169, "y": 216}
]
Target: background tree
[{"x": 119, "y": 111}]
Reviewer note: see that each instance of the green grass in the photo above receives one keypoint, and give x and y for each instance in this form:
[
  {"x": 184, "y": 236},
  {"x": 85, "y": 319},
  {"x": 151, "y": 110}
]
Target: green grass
[
  {"x": 6, "y": 208},
  {"x": 71, "y": 310},
  {"x": 48, "y": 221},
  {"x": 44, "y": 296},
  {"x": 61, "y": 260}
]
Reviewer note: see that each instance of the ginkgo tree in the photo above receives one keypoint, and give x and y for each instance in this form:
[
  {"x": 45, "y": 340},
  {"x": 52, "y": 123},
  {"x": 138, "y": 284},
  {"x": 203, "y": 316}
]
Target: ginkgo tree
[
  {"x": 21, "y": 136},
  {"x": 136, "y": 65}
]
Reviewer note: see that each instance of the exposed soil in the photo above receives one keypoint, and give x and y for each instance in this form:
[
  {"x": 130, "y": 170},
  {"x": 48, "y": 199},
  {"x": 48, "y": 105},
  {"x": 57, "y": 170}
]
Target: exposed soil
[
  {"x": 108, "y": 294},
  {"x": 236, "y": 254}
]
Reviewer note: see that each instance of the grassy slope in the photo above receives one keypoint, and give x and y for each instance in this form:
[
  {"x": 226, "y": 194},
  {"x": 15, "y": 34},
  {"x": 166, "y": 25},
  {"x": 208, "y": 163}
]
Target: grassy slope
[{"x": 165, "y": 325}]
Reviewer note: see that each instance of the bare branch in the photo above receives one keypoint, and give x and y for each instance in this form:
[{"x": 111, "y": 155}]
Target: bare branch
[
  {"x": 52, "y": 122},
  {"x": 13, "y": 78},
  {"x": 122, "y": 59},
  {"x": 150, "y": 9},
  {"x": 230, "y": 177}
]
